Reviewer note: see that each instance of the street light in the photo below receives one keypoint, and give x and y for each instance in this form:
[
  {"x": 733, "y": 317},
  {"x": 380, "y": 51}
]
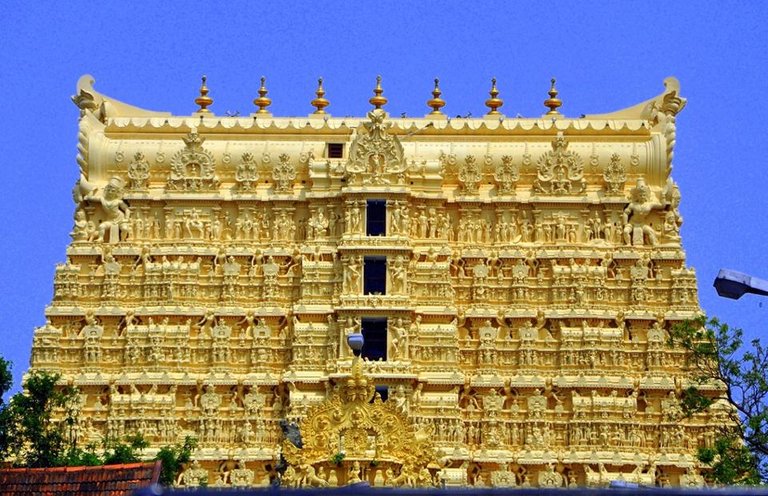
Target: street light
[{"x": 732, "y": 284}]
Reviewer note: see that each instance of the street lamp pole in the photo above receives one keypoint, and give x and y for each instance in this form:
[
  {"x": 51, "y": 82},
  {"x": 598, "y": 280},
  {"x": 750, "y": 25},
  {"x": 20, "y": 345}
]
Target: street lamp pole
[{"x": 732, "y": 284}]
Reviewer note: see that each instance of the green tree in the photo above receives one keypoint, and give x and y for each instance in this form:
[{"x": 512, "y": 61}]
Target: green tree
[
  {"x": 723, "y": 371},
  {"x": 31, "y": 436},
  {"x": 127, "y": 450},
  {"x": 174, "y": 458},
  {"x": 6, "y": 378},
  {"x": 6, "y": 381},
  {"x": 36, "y": 439}
]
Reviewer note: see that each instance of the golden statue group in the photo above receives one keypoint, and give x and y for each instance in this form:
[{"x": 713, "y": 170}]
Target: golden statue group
[{"x": 512, "y": 280}]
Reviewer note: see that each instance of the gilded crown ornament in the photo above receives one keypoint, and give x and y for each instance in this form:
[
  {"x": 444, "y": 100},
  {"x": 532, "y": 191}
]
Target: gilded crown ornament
[
  {"x": 494, "y": 103},
  {"x": 320, "y": 102},
  {"x": 436, "y": 102},
  {"x": 553, "y": 102},
  {"x": 262, "y": 101},
  {"x": 204, "y": 101},
  {"x": 378, "y": 100}
]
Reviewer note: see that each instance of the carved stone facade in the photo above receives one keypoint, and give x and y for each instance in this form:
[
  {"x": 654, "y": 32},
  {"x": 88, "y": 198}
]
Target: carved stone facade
[{"x": 515, "y": 280}]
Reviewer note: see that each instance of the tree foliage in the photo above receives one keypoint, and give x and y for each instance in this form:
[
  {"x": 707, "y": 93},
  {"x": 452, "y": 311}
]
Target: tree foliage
[
  {"x": 6, "y": 380},
  {"x": 725, "y": 374},
  {"x": 31, "y": 436},
  {"x": 174, "y": 458},
  {"x": 34, "y": 438}
]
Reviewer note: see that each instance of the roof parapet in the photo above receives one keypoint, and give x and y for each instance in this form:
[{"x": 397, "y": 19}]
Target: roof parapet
[{"x": 667, "y": 103}]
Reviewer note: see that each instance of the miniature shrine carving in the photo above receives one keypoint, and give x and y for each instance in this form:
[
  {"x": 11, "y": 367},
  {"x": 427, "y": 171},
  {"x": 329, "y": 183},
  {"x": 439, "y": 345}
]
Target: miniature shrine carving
[
  {"x": 247, "y": 173},
  {"x": 560, "y": 171},
  {"x": 507, "y": 175},
  {"x": 138, "y": 172},
  {"x": 193, "y": 168},
  {"x": 376, "y": 157},
  {"x": 283, "y": 174},
  {"x": 513, "y": 299},
  {"x": 469, "y": 175}
]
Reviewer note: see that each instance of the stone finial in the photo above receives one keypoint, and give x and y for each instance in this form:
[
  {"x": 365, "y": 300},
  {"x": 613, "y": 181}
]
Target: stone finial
[
  {"x": 262, "y": 101},
  {"x": 378, "y": 100},
  {"x": 320, "y": 103},
  {"x": 553, "y": 102},
  {"x": 436, "y": 102},
  {"x": 204, "y": 101},
  {"x": 494, "y": 103}
]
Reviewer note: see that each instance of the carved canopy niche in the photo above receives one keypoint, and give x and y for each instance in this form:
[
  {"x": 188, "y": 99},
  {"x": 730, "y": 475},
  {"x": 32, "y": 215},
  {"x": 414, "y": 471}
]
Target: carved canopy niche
[
  {"x": 376, "y": 157},
  {"x": 193, "y": 168},
  {"x": 352, "y": 421}
]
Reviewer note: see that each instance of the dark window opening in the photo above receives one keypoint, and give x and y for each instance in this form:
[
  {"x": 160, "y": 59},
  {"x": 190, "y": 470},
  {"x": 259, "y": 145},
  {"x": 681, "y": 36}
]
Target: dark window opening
[
  {"x": 335, "y": 150},
  {"x": 375, "y": 338},
  {"x": 375, "y": 275},
  {"x": 383, "y": 392},
  {"x": 376, "y": 218}
]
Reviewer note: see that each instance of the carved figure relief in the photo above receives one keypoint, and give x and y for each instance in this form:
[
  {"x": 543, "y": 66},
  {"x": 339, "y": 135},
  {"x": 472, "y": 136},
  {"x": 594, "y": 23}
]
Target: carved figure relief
[
  {"x": 138, "y": 172},
  {"x": 560, "y": 171},
  {"x": 115, "y": 222},
  {"x": 448, "y": 163},
  {"x": 284, "y": 174},
  {"x": 193, "y": 168},
  {"x": 615, "y": 176},
  {"x": 507, "y": 174},
  {"x": 247, "y": 173},
  {"x": 375, "y": 156},
  {"x": 638, "y": 230},
  {"x": 469, "y": 175}
]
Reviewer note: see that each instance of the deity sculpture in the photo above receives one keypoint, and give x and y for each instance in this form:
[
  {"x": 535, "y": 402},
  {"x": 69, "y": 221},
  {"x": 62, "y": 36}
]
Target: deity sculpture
[
  {"x": 399, "y": 336},
  {"x": 115, "y": 221},
  {"x": 637, "y": 213},
  {"x": 352, "y": 275},
  {"x": 398, "y": 274}
]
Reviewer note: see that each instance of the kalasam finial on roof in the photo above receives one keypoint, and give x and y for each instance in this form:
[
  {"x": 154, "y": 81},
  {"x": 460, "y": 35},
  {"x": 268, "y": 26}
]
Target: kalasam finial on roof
[
  {"x": 436, "y": 102},
  {"x": 553, "y": 102},
  {"x": 494, "y": 103},
  {"x": 204, "y": 101},
  {"x": 378, "y": 100},
  {"x": 262, "y": 101},
  {"x": 320, "y": 102}
]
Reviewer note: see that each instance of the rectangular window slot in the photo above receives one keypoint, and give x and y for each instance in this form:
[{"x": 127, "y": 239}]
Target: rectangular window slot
[
  {"x": 383, "y": 392},
  {"x": 375, "y": 336},
  {"x": 375, "y": 275},
  {"x": 376, "y": 218},
  {"x": 335, "y": 150}
]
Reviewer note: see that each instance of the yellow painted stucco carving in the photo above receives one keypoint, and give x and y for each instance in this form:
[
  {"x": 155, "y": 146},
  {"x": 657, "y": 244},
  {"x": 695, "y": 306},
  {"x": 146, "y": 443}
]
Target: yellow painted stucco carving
[{"x": 514, "y": 278}]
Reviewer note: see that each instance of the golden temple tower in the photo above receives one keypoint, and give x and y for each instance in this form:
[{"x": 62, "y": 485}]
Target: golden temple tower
[{"x": 514, "y": 281}]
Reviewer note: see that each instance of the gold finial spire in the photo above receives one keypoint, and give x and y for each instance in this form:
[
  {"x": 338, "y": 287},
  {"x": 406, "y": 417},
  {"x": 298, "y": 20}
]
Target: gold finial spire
[
  {"x": 204, "y": 100},
  {"x": 436, "y": 102},
  {"x": 262, "y": 101},
  {"x": 553, "y": 102},
  {"x": 320, "y": 103},
  {"x": 378, "y": 101},
  {"x": 494, "y": 102}
]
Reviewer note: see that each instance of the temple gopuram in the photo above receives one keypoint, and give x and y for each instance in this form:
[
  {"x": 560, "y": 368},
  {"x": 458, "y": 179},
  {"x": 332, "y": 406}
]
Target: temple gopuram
[{"x": 512, "y": 282}]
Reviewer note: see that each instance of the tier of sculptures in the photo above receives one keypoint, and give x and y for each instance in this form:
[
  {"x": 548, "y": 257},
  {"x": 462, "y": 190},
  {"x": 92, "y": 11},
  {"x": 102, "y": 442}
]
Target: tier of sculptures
[{"x": 102, "y": 214}]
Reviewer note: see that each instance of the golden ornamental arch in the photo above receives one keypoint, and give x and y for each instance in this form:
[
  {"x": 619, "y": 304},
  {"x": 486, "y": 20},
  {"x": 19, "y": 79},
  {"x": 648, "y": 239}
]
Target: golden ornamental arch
[{"x": 356, "y": 423}]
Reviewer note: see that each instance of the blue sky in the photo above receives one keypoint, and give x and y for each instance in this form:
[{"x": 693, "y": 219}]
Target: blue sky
[{"x": 606, "y": 56}]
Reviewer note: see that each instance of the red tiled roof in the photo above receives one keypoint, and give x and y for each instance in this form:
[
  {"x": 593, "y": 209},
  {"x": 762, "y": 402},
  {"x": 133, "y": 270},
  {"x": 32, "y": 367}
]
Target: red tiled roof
[{"x": 111, "y": 480}]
